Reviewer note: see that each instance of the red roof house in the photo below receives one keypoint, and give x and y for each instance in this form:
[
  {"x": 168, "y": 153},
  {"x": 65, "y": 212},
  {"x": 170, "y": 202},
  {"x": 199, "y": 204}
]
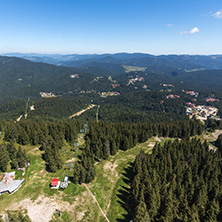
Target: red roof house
[
  {"x": 190, "y": 104},
  {"x": 55, "y": 183},
  {"x": 212, "y": 100}
]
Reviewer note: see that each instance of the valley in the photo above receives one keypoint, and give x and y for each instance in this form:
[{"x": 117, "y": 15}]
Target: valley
[{"x": 111, "y": 111}]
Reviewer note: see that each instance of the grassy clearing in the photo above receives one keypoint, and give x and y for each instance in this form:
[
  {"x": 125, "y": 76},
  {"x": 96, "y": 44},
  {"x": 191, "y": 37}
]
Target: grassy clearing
[
  {"x": 133, "y": 68},
  {"x": 82, "y": 207},
  {"x": 37, "y": 180},
  {"x": 109, "y": 179},
  {"x": 109, "y": 187}
]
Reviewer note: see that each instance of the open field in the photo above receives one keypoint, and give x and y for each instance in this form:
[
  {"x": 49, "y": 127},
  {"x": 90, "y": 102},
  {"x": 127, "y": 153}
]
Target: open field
[{"x": 134, "y": 68}]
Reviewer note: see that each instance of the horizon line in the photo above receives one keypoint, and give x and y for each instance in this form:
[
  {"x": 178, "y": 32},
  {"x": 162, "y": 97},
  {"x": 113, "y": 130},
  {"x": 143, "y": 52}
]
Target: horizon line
[{"x": 108, "y": 53}]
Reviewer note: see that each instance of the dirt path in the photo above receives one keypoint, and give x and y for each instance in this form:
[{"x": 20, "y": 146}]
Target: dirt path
[
  {"x": 82, "y": 111},
  {"x": 97, "y": 114},
  {"x": 20, "y": 117},
  {"x": 96, "y": 202}
]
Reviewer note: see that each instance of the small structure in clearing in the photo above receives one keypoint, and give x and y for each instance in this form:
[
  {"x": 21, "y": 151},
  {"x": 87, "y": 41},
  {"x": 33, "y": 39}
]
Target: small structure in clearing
[
  {"x": 9, "y": 184},
  {"x": 47, "y": 94},
  {"x": 55, "y": 183},
  {"x": 64, "y": 183}
]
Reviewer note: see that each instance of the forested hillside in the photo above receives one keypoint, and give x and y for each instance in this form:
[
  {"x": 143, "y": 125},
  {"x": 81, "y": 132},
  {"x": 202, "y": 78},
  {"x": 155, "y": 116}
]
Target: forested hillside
[
  {"x": 180, "y": 181},
  {"x": 71, "y": 121},
  {"x": 23, "y": 79}
]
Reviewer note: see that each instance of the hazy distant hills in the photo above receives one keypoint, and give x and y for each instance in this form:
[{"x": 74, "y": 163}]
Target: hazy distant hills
[
  {"x": 113, "y": 64},
  {"x": 22, "y": 78},
  {"x": 128, "y": 87}
]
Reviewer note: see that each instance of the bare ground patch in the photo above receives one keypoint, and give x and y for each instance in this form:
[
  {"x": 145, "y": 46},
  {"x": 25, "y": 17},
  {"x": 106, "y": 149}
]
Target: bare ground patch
[
  {"x": 216, "y": 134},
  {"x": 157, "y": 139},
  {"x": 212, "y": 136},
  {"x": 41, "y": 209},
  {"x": 110, "y": 168},
  {"x": 71, "y": 160},
  {"x": 151, "y": 144}
]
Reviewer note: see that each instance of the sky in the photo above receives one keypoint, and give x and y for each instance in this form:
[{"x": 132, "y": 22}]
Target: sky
[{"x": 111, "y": 26}]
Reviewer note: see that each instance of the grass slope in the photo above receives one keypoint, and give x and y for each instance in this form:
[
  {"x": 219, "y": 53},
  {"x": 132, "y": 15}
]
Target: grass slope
[{"x": 110, "y": 186}]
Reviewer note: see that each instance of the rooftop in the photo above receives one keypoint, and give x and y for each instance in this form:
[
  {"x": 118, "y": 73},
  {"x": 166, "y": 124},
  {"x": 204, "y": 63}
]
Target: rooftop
[
  {"x": 54, "y": 181},
  {"x": 9, "y": 184}
]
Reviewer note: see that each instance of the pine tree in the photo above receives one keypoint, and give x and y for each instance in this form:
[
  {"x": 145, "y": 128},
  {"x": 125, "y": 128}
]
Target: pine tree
[
  {"x": 4, "y": 158},
  {"x": 218, "y": 142},
  {"x": 141, "y": 213},
  {"x": 76, "y": 173},
  {"x": 21, "y": 158}
]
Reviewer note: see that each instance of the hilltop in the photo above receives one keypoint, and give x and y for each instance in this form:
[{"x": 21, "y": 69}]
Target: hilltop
[{"x": 113, "y": 64}]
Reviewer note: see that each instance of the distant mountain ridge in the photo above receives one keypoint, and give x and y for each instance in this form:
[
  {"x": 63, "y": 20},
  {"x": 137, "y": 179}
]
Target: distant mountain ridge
[
  {"x": 22, "y": 78},
  {"x": 137, "y": 86},
  {"x": 112, "y": 64}
]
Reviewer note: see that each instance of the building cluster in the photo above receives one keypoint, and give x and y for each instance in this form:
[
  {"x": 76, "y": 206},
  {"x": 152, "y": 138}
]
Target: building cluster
[
  {"x": 171, "y": 96},
  {"x": 87, "y": 91},
  {"x": 47, "y": 94},
  {"x": 32, "y": 107},
  {"x": 191, "y": 105},
  {"x": 115, "y": 85},
  {"x": 192, "y": 93},
  {"x": 212, "y": 100},
  {"x": 9, "y": 184},
  {"x": 55, "y": 183},
  {"x": 167, "y": 85},
  {"x": 74, "y": 76},
  {"x": 201, "y": 111},
  {"x": 132, "y": 81},
  {"x": 194, "y": 70},
  {"x": 105, "y": 94}
]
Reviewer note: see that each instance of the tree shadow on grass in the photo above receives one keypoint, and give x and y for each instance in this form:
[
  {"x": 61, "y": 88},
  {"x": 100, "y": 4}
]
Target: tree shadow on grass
[{"x": 123, "y": 194}]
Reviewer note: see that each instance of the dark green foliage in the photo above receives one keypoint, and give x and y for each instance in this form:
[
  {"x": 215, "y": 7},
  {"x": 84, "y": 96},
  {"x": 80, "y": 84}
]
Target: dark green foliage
[
  {"x": 84, "y": 170},
  {"x": 50, "y": 135},
  {"x": 142, "y": 214},
  {"x": 177, "y": 182},
  {"x": 52, "y": 157},
  {"x": 17, "y": 216},
  {"x": 22, "y": 79},
  {"x": 4, "y": 158},
  {"x": 218, "y": 142},
  {"x": 151, "y": 106},
  {"x": 22, "y": 158},
  {"x": 17, "y": 158},
  {"x": 38, "y": 132},
  {"x": 107, "y": 138},
  {"x": 76, "y": 174},
  {"x": 213, "y": 124},
  {"x": 58, "y": 108},
  {"x": 13, "y": 155}
]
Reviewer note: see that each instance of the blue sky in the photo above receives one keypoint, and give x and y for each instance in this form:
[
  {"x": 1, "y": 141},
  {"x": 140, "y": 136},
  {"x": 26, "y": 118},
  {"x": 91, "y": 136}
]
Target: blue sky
[{"x": 111, "y": 26}]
